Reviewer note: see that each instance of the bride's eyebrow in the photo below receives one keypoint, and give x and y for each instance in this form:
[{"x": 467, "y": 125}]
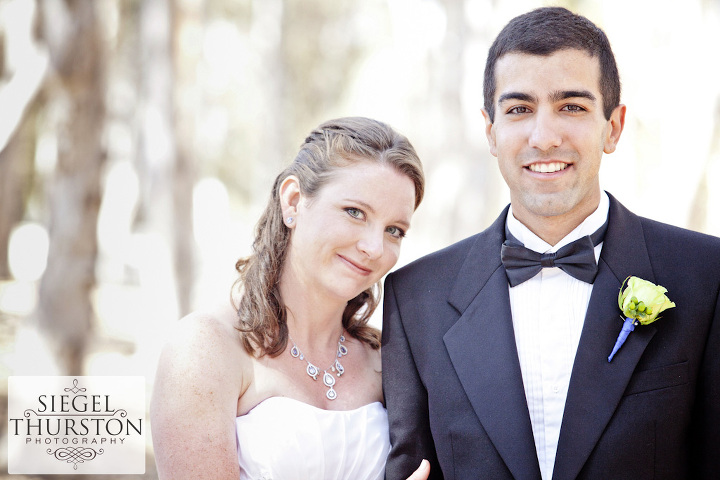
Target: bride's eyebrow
[
  {"x": 369, "y": 208},
  {"x": 362, "y": 203}
]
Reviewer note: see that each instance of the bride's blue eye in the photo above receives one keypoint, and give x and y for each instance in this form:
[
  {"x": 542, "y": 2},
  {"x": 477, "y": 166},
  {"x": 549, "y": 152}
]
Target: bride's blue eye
[
  {"x": 354, "y": 212},
  {"x": 396, "y": 232}
]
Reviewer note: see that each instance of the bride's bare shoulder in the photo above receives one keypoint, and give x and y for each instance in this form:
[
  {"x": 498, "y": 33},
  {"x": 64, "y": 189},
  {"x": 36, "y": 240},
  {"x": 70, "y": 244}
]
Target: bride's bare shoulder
[
  {"x": 216, "y": 327},
  {"x": 202, "y": 342},
  {"x": 202, "y": 372}
]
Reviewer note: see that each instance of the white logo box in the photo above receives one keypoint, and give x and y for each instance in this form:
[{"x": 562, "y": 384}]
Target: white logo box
[{"x": 80, "y": 425}]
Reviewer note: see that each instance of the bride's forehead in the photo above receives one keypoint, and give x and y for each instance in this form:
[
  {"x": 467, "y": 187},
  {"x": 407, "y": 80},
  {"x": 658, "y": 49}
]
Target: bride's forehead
[
  {"x": 377, "y": 185},
  {"x": 360, "y": 175}
]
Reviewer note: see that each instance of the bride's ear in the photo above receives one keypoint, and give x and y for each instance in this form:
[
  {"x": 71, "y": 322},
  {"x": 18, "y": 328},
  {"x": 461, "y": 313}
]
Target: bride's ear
[{"x": 290, "y": 198}]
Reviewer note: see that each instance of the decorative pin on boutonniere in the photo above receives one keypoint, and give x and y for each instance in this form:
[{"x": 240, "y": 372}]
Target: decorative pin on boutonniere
[{"x": 641, "y": 302}]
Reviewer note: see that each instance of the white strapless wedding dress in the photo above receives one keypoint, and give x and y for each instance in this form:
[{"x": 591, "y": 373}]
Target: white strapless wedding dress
[{"x": 285, "y": 439}]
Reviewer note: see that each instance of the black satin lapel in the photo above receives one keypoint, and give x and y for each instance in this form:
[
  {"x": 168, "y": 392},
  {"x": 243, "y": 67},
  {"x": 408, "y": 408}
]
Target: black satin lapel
[
  {"x": 482, "y": 348},
  {"x": 482, "y": 260},
  {"x": 624, "y": 249},
  {"x": 596, "y": 385}
]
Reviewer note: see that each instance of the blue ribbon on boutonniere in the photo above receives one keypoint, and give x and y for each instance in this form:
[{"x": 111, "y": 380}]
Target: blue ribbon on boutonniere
[{"x": 641, "y": 302}]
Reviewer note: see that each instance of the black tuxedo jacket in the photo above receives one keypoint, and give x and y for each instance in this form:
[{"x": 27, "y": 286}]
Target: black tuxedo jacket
[{"x": 452, "y": 379}]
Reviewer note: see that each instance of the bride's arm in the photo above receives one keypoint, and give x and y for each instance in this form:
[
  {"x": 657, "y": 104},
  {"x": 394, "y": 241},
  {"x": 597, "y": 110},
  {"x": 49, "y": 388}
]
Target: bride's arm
[{"x": 194, "y": 404}]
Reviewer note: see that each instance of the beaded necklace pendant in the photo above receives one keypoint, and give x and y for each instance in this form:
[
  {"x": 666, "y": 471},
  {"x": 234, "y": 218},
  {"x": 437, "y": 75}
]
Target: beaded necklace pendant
[{"x": 313, "y": 371}]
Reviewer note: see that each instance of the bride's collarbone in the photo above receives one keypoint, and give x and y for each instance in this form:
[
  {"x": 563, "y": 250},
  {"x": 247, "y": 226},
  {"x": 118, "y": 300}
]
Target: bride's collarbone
[{"x": 284, "y": 376}]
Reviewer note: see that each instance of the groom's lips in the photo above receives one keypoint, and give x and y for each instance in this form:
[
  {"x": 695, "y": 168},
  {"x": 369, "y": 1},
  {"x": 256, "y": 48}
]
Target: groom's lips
[{"x": 547, "y": 167}]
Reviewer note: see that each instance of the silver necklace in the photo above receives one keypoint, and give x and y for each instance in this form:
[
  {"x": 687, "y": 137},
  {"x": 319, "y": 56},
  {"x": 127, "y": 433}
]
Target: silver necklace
[{"x": 313, "y": 371}]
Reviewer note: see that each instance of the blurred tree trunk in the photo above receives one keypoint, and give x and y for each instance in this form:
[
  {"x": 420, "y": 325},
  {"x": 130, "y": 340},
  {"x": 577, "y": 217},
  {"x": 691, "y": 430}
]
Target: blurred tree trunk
[
  {"x": 23, "y": 66},
  {"x": 185, "y": 19},
  {"x": 268, "y": 26},
  {"x": 451, "y": 72},
  {"x": 459, "y": 148},
  {"x": 72, "y": 32},
  {"x": 16, "y": 178},
  {"x": 166, "y": 136},
  {"x": 155, "y": 140}
]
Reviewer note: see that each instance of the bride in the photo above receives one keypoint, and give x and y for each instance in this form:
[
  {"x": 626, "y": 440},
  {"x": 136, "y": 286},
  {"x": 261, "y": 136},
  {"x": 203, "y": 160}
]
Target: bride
[{"x": 286, "y": 383}]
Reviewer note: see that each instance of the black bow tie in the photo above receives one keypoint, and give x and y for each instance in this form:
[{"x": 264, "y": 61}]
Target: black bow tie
[{"x": 576, "y": 259}]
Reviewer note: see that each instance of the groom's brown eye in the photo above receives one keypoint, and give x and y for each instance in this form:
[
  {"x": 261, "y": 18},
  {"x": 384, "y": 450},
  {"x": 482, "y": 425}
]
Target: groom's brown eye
[{"x": 519, "y": 109}]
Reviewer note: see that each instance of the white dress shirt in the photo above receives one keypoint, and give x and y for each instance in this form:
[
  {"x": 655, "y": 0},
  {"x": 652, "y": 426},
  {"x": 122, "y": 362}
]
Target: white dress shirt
[{"x": 548, "y": 313}]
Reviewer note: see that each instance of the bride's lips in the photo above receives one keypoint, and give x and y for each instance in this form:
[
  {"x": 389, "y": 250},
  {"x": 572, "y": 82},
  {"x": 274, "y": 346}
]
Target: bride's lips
[{"x": 358, "y": 268}]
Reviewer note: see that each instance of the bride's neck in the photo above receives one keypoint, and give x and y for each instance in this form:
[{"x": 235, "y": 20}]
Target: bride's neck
[{"x": 312, "y": 322}]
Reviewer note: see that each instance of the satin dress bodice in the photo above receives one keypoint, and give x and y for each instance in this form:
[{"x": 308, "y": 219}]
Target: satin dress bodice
[{"x": 285, "y": 439}]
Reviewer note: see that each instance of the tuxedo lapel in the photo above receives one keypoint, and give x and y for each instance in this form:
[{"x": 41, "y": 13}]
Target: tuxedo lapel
[
  {"x": 482, "y": 349},
  {"x": 596, "y": 385}
]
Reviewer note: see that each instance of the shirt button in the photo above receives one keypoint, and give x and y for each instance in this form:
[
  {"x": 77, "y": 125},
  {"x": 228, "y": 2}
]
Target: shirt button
[{"x": 556, "y": 389}]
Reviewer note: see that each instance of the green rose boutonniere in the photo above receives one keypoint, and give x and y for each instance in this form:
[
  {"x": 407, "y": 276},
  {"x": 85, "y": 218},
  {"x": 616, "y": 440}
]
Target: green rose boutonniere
[{"x": 641, "y": 302}]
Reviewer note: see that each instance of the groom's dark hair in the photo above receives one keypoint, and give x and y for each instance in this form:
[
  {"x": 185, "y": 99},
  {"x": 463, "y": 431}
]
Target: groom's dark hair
[{"x": 545, "y": 31}]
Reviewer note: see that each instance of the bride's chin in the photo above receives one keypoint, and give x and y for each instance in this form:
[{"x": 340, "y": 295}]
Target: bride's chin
[{"x": 356, "y": 293}]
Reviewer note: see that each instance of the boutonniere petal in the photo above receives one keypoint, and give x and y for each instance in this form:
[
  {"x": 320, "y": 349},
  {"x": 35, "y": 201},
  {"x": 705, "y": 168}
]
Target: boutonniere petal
[{"x": 641, "y": 302}]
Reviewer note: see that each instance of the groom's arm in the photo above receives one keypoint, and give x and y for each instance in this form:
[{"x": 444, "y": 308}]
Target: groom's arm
[
  {"x": 405, "y": 397},
  {"x": 706, "y": 422}
]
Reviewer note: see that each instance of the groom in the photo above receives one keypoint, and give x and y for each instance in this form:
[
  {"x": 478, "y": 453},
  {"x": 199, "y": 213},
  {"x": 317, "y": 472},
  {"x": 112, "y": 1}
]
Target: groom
[{"x": 493, "y": 374}]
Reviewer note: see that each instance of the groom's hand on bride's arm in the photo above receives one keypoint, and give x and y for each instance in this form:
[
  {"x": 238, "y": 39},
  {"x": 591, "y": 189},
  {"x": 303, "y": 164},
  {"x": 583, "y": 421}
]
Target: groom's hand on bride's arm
[{"x": 422, "y": 472}]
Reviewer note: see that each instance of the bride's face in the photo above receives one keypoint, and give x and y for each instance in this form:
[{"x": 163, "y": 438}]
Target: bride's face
[{"x": 348, "y": 235}]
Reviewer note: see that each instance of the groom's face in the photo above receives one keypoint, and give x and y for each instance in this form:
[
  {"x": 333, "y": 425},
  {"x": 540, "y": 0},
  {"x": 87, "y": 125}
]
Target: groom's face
[{"x": 550, "y": 132}]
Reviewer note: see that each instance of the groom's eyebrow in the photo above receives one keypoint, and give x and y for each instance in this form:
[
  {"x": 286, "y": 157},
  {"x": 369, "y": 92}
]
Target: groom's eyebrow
[
  {"x": 559, "y": 95},
  {"x": 555, "y": 96},
  {"x": 523, "y": 97}
]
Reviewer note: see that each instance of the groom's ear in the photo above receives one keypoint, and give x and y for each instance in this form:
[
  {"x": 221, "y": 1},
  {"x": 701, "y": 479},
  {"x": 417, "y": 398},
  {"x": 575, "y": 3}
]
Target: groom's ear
[
  {"x": 490, "y": 132},
  {"x": 616, "y": 123}
]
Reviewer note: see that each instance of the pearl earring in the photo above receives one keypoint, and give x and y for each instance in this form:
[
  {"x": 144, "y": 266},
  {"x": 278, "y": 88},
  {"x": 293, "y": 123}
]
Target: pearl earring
[{"x": 289, "y": 220}]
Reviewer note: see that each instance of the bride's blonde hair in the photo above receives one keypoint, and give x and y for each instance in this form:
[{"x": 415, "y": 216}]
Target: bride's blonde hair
[{"x": 262, "y": 316}]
